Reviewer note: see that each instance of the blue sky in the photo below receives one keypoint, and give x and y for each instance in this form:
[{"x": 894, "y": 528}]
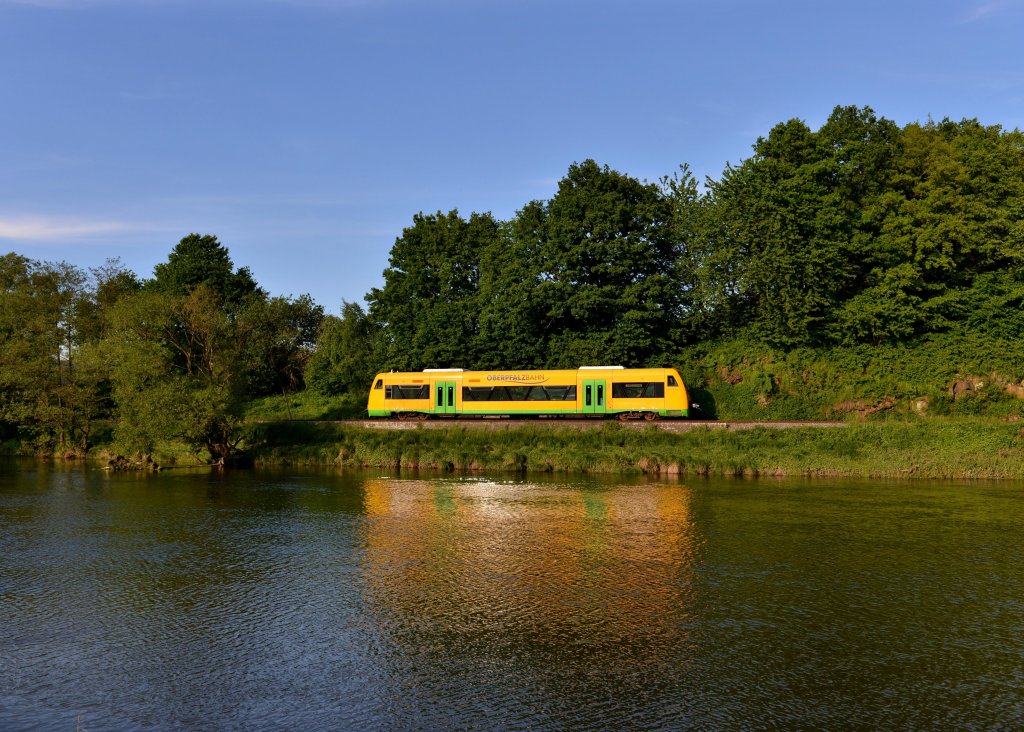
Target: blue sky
[{"x": 305, "y": 134}]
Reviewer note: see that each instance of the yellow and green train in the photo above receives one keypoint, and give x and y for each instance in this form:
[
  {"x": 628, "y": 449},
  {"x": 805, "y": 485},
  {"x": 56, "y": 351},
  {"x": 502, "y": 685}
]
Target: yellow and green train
[{"x": 590, "y": 391}]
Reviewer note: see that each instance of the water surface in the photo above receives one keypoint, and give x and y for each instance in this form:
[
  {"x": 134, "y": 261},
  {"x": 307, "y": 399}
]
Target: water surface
[{"x": 355, "y": 600}]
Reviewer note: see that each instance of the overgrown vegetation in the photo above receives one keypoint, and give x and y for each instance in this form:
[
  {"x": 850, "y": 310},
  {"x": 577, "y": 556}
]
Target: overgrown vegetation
[
  {"x": 174, "y": 359},
  {"x": 861, "y": 269},
  {"x": 742, "y": 379},
  {"x": 934, "y": 448}
]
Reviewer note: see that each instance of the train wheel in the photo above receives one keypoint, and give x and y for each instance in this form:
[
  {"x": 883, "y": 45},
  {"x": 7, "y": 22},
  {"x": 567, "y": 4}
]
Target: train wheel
[
  {"x": 650, "y": 416},
  {"x": 622, "y": 416},
  {"x": 422, "y": 416}
]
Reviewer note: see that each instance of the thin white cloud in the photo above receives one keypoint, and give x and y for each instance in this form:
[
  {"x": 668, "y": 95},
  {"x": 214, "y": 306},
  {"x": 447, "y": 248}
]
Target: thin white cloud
[
  {"x": 988, "y": 9},
  {"x": 88, "y": 4},
  {"x": 69, "y": 4},
  {"x": 84, "y": 4},
  {"x": 44, "y": 229},
  {"x": 312, "y": 4}
]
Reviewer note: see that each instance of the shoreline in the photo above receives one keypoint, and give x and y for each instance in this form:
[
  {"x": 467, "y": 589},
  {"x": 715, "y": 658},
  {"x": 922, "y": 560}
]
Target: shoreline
[{"x": 932, "y": 448}]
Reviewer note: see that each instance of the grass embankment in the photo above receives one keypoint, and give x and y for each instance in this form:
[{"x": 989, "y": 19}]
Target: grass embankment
[
  {"x": 743, "y": 380},
  {"x": 306, "y": 404},
  {"x": 933, "y": 448}
]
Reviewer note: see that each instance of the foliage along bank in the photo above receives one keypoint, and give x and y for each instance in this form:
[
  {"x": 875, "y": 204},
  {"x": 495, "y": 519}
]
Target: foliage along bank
[
  {"x": 175, "y": 358},
  {"x": 935, "y": 448},
  {"x": 833, "y": 270},
  {"x": 861, "y": 268}
]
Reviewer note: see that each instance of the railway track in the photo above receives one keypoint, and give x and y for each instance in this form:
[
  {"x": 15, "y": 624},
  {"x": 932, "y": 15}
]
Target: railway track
[{"x": 581, "y": 424}]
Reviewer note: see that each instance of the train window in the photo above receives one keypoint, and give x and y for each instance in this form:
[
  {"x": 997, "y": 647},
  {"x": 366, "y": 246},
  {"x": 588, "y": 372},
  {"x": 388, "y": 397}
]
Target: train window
[
  {"x": 672, "y": 380},
  {"x": 560, "y": 393},
  {"x": 397, "y": 391},
  {"x": 518, "y": 393},
  {"x": 588, "y": 391},
  {"x": 379, "y": 384},
  {"x": 556, "y": 393},
  {"x": 440, "y": 396},
  {"x": 627, "y": 391},
  {"x": 638, "y": 390}
]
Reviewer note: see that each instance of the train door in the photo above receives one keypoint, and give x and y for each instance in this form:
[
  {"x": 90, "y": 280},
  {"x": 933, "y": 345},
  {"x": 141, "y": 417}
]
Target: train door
[
  {"x": 595, "y": 396},
  {"x": 444, "y": 397}
]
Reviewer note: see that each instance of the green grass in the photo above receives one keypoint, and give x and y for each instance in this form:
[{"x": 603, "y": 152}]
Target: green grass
[
  {"x": 743, "y": 380},
  {"x": 306, "y": 405},
  {"x": 933, "y": 448},
  {"x": 165, "y": 454}
]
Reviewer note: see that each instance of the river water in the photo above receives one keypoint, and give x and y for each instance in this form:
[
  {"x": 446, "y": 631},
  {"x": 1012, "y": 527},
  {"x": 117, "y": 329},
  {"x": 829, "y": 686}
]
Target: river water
[{"x": 362, "y": 600}]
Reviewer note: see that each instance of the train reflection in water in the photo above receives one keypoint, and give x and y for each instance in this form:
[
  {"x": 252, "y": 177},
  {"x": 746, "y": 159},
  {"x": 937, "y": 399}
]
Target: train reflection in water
[{"x": 506, "y": 577}]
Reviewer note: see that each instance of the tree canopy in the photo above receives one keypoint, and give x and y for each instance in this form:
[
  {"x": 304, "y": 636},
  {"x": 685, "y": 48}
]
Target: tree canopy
[
  {"x": 175, "y": 357},
  {"x": 198, "y": 260},
  {"x": 859, "y": 234}
]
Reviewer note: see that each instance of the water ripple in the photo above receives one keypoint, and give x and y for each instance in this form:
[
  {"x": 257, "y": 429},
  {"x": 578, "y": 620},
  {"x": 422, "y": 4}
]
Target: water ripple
[{"x": 339, "y": 601}]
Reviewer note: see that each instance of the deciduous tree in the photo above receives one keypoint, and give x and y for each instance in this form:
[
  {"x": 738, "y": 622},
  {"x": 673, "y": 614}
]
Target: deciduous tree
[
  {"x": 608, "y": 279},
  {"x": 344, "y": 361},
  {"x": 177, "y": 371},
  {"x": 428, "y": 307}
]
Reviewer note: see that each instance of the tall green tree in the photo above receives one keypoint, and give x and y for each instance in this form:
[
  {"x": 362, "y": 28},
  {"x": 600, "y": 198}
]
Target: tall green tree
[
  {"x": 202, "y": 259},
  {"x": 51, "y": 374},
  {"x": 949, "y": 213},
  {"x": 687, "y": 225},
  {"x": 608, "y": 280},
  {"x": 791, "y": 227},
  {"x": 191, "y": 348},
  {"x": 512, "y": 309},
  {"x": 768, "y": 213},
  {"x": 177, "y": 371},
  {"x": 284, "y": 337},
  {"x": 344, "y": 361},
  {"x": 427, "y": 309}
]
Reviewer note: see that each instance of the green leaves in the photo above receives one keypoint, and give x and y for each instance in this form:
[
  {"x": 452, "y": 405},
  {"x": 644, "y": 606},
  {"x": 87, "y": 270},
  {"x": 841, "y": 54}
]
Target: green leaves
[
  {"x": 344, "y": 359},
  {"x": 595, "y": 271},
  {"x": 591, "y": 276},
  {"x": 859, "y": 235},
  {"x": 200, "y": 260},
  {"x": 427, "y": 308},
  {"x": 188, "y": 350},
  {"x": 861, "y": 231},
  {"x": 887, "y": 312},
  {"x": 51, "y": 380}
]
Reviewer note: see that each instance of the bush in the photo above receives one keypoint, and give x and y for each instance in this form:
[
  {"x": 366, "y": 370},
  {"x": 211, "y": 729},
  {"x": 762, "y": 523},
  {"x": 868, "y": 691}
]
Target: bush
[{"x": 742, "y": 379}]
